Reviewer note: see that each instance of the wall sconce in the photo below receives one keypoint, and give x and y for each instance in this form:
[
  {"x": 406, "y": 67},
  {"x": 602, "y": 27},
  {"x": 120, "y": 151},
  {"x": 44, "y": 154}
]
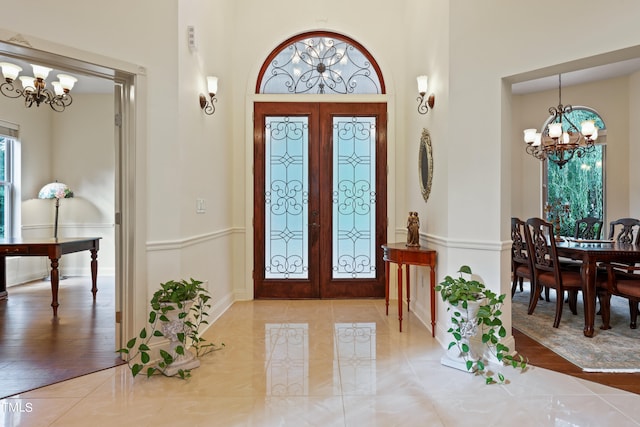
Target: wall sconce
[
  {"x": 424, "y": 104},
  {"x": 212, "y": 87}
]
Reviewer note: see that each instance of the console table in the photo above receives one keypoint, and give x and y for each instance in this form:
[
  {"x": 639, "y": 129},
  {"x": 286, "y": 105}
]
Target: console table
[
  {"x": 54, "y": 249},
  {"x": 401, "y": 254}
]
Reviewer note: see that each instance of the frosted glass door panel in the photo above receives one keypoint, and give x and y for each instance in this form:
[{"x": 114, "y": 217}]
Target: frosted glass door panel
[
  {"x": 286, "y": 197},
  {"x": 354, "y": 198}
]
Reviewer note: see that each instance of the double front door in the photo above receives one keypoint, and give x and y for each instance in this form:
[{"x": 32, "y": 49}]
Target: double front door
[{"x": 320, "y": 211}]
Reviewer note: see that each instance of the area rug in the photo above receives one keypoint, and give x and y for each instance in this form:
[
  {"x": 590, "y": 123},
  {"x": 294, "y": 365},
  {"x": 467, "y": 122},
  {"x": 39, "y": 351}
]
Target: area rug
[{"x": 613, "y": 350}]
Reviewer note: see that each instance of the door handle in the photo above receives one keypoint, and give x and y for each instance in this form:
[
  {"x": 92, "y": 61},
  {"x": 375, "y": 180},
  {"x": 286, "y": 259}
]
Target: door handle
[{"x": 314, "y": 225}]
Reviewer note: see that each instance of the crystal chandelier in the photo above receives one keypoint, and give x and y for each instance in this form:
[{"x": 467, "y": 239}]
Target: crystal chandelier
[
  {"x": 561, "y": 139},
  {"x": 34, "y": 89}
]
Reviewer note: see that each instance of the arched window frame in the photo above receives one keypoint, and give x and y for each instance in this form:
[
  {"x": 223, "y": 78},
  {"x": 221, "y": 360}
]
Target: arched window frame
[
  {"x": 567, "y": 226},
  {"x": 323, "y": 73}
]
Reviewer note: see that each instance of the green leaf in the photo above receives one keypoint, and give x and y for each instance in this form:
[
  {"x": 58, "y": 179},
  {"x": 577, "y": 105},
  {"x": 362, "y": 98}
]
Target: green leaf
[
  {"x": 145, "y": 358},
  {"x": 143, "y": 333},
  {"x": 135, "y": 369},
  {"x": 144, "y": 347},
  {"x": 469, "y": 365},
  {"x": 465, "y": 269},
  {"x": 166, "y": 357},
  {"x": 131, "y": 343}
]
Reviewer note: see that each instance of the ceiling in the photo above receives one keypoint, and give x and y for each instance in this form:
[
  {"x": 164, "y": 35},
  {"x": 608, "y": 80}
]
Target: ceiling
[{"x": 586, "y": 75}]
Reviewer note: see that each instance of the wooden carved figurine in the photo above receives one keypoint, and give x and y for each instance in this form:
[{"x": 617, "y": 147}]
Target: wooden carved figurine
[{"x": 413, "y": 226}]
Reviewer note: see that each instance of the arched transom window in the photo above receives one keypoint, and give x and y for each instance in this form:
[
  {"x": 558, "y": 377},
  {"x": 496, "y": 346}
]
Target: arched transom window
[{"x": 320, "y": 63}]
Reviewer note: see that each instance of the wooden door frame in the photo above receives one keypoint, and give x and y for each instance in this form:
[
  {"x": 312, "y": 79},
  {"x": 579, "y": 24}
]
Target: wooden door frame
[
  {"x": 274, "y": 288},
  {"x": 337, "y": 288}
]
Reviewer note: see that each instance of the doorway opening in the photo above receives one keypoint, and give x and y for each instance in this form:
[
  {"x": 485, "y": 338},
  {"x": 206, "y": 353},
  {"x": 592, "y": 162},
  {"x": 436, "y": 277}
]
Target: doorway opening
[
  {"x": 320, "y": 211},
  {"x": 115, "y": 257}
]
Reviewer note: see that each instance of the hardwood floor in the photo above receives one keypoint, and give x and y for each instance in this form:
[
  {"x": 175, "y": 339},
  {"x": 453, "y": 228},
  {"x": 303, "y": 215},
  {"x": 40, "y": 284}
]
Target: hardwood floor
[
  {"x": 541, "y": 356},
  {"x": 37, "y": 349}
]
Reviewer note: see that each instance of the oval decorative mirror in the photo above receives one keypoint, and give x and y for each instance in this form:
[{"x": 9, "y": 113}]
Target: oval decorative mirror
[{"x": 425, "y": 164}]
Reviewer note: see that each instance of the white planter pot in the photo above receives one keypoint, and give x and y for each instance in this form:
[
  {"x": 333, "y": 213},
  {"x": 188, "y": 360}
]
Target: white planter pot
[
  {"x": 171, "y": 330},
  {"x": 454, "y": 358}
]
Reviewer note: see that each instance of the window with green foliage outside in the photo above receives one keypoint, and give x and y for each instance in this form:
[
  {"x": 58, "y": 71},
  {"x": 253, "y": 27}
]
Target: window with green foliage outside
[{"x": 580, "y": 183}]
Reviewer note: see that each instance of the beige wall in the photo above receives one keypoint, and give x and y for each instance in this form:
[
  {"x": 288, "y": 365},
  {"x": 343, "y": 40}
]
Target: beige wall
[
  {"x": 75, "y": 147},
  {"x": 634, "y": 146}
]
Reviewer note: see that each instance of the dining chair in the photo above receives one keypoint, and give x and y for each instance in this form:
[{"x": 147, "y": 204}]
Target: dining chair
[
  {"x": 547, "y": 270},
  {"x": 588, "y": 228},
  {"x": 521, "y": 266},
  {"x": 624, "y": 281},
  {"x": 625, "y": 230}
]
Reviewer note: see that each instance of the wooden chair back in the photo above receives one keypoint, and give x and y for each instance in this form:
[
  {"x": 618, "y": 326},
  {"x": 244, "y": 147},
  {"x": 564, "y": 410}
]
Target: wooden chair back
[
  {"x": 519, "y": 250},
  {"x": 588, "y": 228},
  {"x": 542, "y": 244},
  {"x": 625, "y": 230}
]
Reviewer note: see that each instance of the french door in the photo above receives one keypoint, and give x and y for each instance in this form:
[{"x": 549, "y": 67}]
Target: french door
[{"x": 319, "y": 200}]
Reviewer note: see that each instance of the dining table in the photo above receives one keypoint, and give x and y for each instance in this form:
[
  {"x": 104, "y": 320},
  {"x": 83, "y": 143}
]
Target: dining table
[
  {"x": 53, "y": 249},
  {"x": 591, "y": 253}
]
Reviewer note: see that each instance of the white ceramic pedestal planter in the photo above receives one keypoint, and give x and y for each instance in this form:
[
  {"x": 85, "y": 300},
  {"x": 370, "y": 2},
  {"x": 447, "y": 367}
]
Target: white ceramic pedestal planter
[
  {"x": 171, "y": 330},
  {"x": 453, "y": 357}
]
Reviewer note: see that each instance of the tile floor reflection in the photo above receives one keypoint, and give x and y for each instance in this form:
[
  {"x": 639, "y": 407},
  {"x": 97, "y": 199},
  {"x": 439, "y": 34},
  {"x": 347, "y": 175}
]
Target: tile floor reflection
[{"x": 321, "y": 363}]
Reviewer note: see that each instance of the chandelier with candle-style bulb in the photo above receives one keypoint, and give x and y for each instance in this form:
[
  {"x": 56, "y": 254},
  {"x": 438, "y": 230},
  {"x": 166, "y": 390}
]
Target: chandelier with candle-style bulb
[
  {"x": 561, "y": 140},
  {"x": 34, "y": 88}
]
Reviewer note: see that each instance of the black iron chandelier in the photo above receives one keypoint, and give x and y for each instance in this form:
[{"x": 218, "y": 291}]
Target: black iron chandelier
[
  {"x": 34, "y": 90},
  {"x": 561, "y": 140}
]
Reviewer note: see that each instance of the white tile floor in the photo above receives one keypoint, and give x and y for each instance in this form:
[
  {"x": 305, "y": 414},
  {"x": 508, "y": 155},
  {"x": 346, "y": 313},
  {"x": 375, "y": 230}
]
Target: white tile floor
[{"x": 322, "y": 363}]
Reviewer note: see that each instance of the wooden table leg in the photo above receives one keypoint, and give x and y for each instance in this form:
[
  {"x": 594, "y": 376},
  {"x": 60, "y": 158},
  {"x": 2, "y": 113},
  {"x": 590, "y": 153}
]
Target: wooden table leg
[
  {"x": 386, "y": 285},
  {"x": 55, "y": 281},
  {"x": 408, "y": 288},
  {"x": 432, "y": 290},
  {"x": 589, "y": 296},
  {"x": 3, "y": 278},
  {"x": 400, "y": 295},
  {"x": 94, "y": 272}
]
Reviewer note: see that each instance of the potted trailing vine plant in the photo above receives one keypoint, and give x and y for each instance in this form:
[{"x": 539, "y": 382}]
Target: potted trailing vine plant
[
  {"x": 475, "y": 310},
  {"x": 178, "y": 310}
]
